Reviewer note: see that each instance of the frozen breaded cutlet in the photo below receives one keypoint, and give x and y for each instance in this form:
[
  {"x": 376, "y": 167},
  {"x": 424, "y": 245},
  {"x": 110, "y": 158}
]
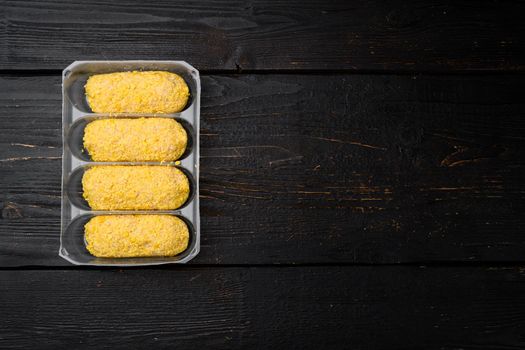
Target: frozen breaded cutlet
[
  {"x": 137, "y": 92},
  {"x": 135, "y": 187},
  {"x": 138, "y": 139},
  {"x": 122, "y": 236}
]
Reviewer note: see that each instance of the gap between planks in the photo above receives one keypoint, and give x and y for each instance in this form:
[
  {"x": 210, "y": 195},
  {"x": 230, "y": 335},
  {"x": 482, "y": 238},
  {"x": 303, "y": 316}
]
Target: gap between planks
[
  {"x": 324, "y": 72},
  {"x": 416, "y": 264}
]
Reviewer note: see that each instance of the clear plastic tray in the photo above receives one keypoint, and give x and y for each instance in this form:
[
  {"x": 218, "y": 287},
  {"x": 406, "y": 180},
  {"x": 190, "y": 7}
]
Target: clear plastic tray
[{"x": 76, "y": 114}]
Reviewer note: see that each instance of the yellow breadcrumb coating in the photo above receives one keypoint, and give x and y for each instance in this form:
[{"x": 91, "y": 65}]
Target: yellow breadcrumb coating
[
  {"x": 142, "y": 139},
  {"x": 128, "y": 187},
  {"x": 124, "y": 236},
  {"x": 137, "y": 92}
]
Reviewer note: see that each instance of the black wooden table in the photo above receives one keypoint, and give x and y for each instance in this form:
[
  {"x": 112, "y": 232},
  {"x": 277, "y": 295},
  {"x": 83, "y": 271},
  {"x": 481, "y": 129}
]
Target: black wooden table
[{"x": 362, "y": 176}]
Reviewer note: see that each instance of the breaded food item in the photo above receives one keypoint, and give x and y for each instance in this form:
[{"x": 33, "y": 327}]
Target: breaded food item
[
  {"x": 124, "y": 236},
  {"x": 132, "y": 187},
  {"x": 137, "y": 139},
  {"x": 137, "y": 92}
]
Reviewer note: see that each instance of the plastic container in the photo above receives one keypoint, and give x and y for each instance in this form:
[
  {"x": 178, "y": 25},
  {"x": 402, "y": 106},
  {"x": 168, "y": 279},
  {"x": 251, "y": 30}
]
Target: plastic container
[{"x": 76, "y": 114}]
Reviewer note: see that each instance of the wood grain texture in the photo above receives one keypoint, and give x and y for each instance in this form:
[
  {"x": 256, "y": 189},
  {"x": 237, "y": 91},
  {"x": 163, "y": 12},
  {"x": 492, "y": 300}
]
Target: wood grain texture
[
  {"x": 309, "y": 169},
  {"x": 261, "y": 34},
  {"x": 265, "y": 308}
]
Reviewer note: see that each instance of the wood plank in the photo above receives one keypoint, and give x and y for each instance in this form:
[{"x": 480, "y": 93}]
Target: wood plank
[
  {"x": 309, "y": 169},
  {"x": 290, "y": 308},
  {"x": 398, "y": 35}
]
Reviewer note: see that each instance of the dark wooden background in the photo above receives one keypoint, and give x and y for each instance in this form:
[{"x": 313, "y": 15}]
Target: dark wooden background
[{"x": 362, "y": 176}]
